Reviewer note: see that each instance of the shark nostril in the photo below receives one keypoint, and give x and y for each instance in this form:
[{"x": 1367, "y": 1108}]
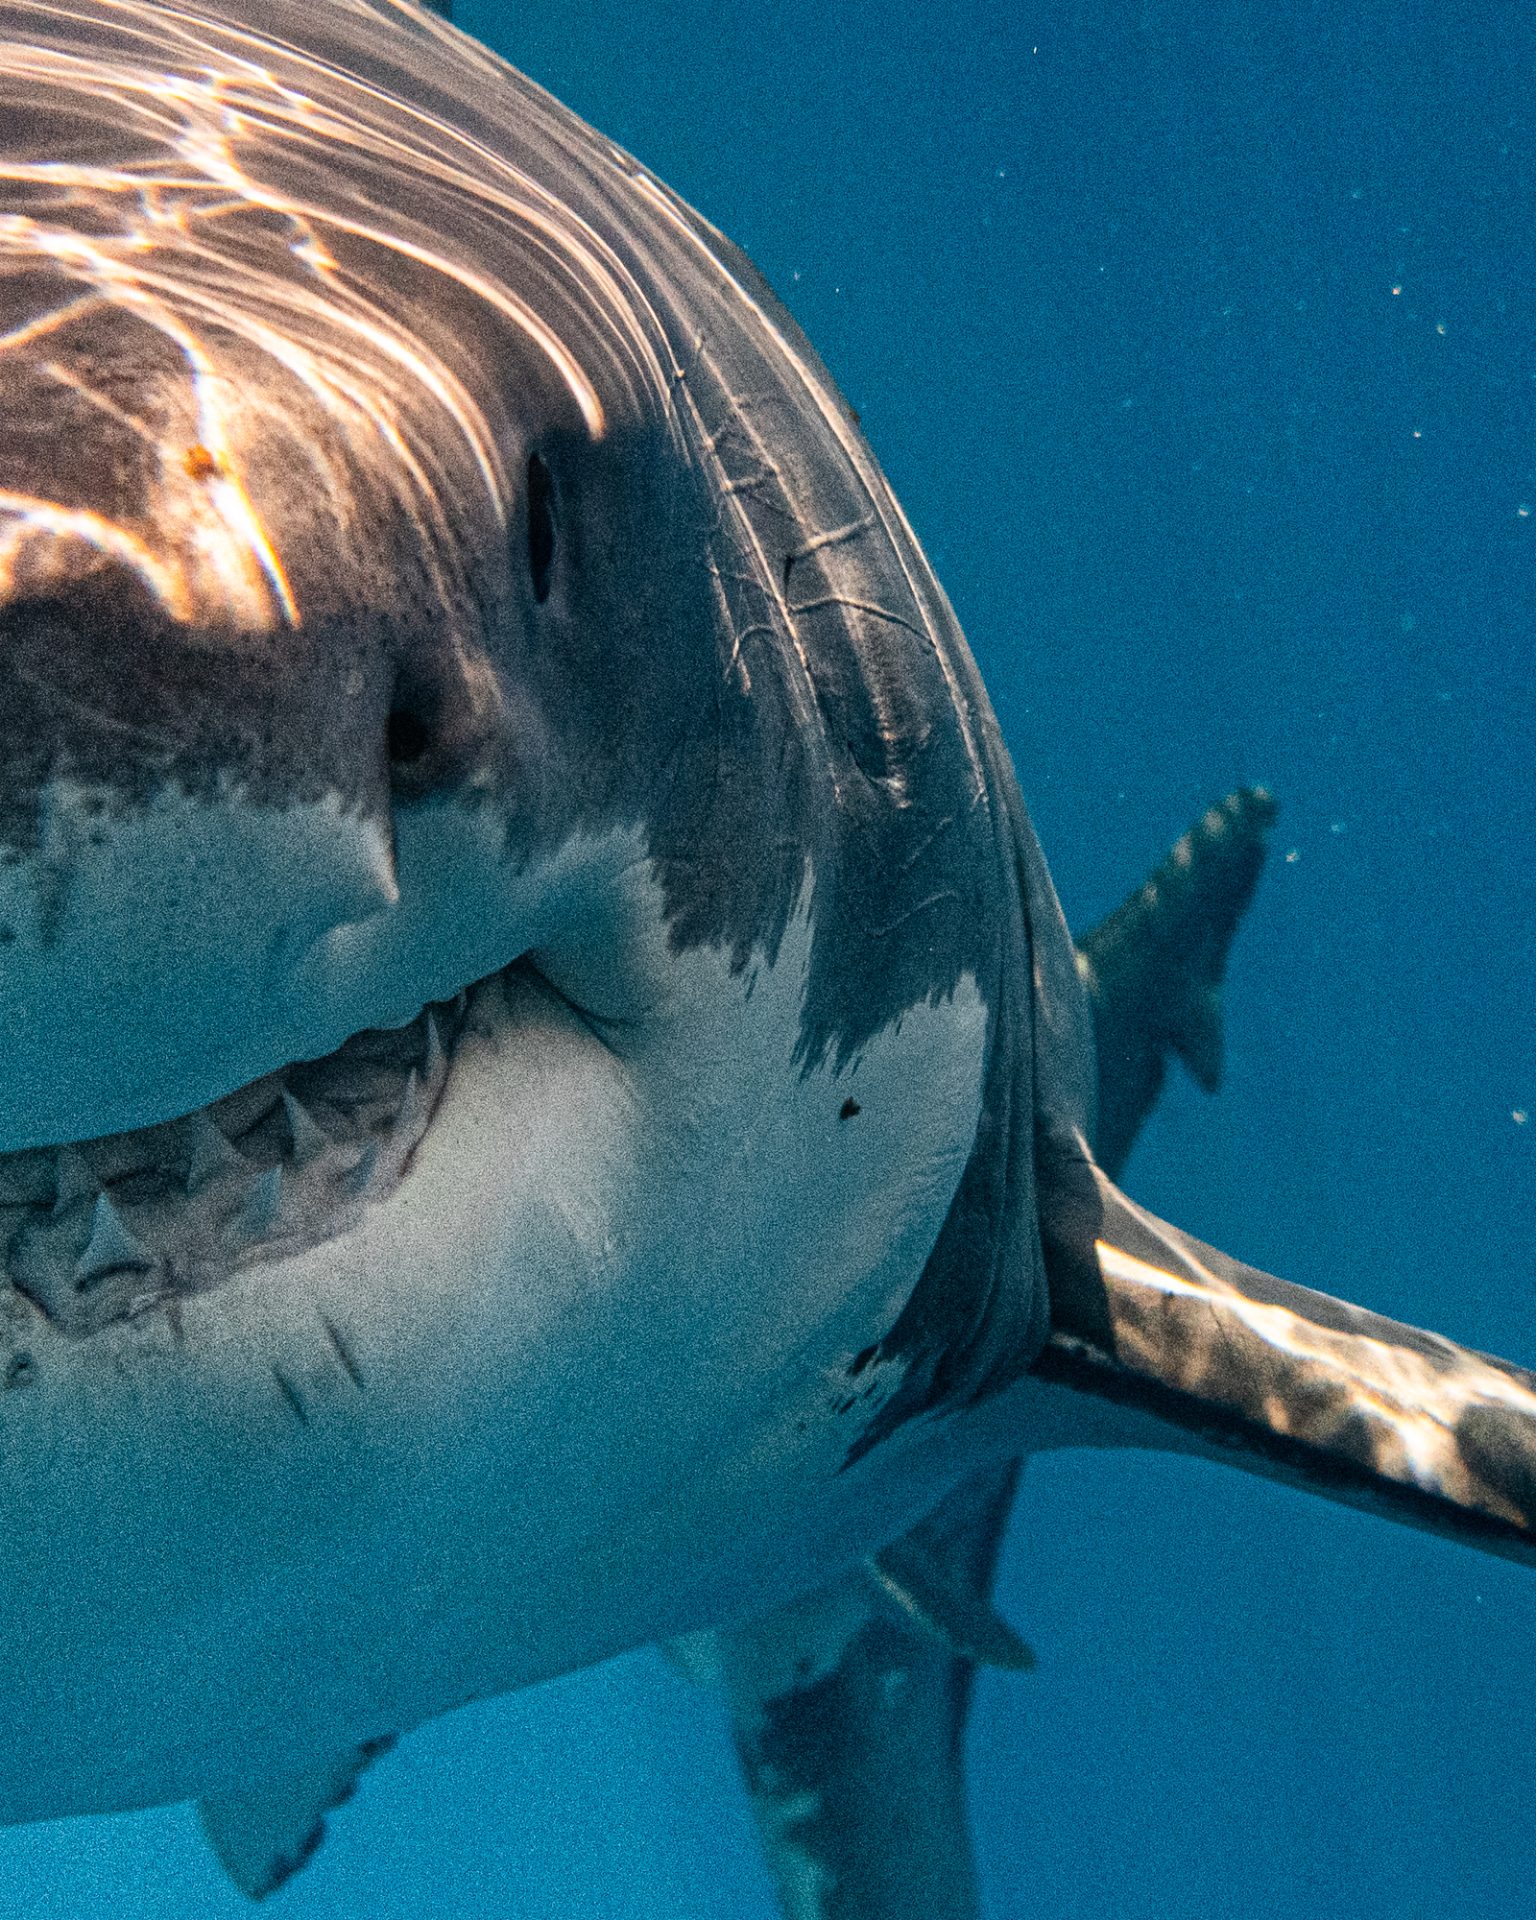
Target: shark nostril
[
  {"x": 407, "y": 737},
  {"x": 437, "y": 723},
  {"x": 413, "y": 733}
]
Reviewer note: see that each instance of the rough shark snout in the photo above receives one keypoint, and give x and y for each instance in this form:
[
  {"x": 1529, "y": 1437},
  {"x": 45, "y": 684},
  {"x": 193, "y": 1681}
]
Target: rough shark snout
[{"x": 265, "y": 545}]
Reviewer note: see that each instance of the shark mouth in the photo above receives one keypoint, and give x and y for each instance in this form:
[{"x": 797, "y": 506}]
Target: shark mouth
[{"x": 98, "y": 1231}]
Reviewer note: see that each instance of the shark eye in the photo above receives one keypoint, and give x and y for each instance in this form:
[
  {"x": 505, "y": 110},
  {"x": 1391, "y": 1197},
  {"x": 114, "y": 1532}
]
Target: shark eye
[{"x": 541, "y": 527}]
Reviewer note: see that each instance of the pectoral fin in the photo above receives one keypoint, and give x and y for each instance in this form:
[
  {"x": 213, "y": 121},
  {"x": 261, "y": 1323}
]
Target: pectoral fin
[
  {"x": 848, "y": 1710},
  {"x": 1223, "y": 1360},
  {"x": 263, "y": 1837},
  {"x": 923, "y": 1592}
]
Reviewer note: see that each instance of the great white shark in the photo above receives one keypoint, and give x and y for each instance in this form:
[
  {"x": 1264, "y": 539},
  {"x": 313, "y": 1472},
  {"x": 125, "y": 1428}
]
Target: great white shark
[{"x": 548, "y": 1101}]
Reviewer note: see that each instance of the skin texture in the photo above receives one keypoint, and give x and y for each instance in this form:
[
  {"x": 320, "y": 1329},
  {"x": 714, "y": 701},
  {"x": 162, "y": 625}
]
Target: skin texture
[
  {"x": 434, "y": 568},
  {"x": 364, "y": 324},
  {"x": 425, "y": 545},
  {"x": 850, "y": 1724}
]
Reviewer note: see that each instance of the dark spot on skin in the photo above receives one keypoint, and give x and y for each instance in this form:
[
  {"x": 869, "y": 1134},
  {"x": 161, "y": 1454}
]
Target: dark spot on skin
[
  {"x": 541, "y": 527},
  {"x": 19, "y": 1370},
  {"x": 849, "y": 1108},
  {"x": 789, "y": 561},
  {"x": 7, "y": 935}
]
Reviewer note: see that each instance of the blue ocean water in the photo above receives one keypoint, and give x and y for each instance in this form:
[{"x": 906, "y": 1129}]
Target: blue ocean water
[{"x": 1199, "y": 340}]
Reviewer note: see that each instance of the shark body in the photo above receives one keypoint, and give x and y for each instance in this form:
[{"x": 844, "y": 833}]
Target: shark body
[{"x": 548, "y": 1099}]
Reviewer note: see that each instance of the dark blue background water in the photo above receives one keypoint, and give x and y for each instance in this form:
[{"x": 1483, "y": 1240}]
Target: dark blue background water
[{"x": 1199, "y": 340}]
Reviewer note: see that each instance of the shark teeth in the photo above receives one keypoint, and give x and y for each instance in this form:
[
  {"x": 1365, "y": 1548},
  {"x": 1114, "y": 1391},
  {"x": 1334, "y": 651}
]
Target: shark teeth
[
  {"x": 411, "y": 1118},
  {"x": 259, "y": 1212},
  {"x": 111, "y": 1248},
  {"x": 359, "y": 1178},
  {"x": 433, "y": 1058},
  {"x": 212, "y": 1155},
  {"x": 305, "y": 1136},
  {"x": 105, "y": 1229}
]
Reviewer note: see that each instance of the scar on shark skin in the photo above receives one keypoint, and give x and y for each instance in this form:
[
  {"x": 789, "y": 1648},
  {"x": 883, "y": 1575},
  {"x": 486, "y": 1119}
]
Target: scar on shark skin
[
  {"x": 291, "y": 1394},
  {"x": 343, "y": 1353}
]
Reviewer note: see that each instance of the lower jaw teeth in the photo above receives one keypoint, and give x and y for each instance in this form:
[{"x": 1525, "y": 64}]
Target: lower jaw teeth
[{"x": 135, "y": 1219}]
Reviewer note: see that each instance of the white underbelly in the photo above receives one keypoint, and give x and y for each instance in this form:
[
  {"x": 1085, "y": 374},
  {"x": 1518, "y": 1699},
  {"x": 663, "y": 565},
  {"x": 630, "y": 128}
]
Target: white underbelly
[{"x": 510, "y": 1424}]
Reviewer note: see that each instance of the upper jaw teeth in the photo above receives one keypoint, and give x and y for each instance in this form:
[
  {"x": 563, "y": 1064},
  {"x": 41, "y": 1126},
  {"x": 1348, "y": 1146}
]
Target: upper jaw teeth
[{"x": 98, "y": 1230}]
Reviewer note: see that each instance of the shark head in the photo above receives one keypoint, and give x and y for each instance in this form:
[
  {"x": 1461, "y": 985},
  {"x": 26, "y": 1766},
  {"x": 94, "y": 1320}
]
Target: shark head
[
  {"x": 511, "y": 932},
  {"x": 316, "y": 545},
  {"x": 542, "y": 1076}
]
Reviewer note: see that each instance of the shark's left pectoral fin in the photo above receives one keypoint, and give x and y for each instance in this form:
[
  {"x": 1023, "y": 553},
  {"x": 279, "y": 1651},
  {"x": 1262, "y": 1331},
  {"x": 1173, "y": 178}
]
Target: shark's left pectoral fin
[
  {"x": 848, "y": 1710},
  {"x": 264, "y": 1836},
  {"x": 1196, "y": 1352}
]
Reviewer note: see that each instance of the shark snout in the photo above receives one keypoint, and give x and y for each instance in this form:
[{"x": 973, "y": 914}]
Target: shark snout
[
  {"x": 148, "y": 955},
  {"x": 198, "y": 838}
]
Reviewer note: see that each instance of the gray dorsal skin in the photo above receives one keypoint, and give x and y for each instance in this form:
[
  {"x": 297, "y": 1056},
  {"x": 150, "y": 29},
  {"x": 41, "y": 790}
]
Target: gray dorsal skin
[
  {"x": 546, "y": 1098},
  {"x": 849, "y": 1722}
]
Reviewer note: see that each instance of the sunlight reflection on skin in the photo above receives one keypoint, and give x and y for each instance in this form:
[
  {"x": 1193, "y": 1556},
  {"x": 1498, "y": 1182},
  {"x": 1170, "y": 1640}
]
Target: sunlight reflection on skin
[
  {"x": 182, "y": 242},
  {"x": 1411, "y": 1401}
]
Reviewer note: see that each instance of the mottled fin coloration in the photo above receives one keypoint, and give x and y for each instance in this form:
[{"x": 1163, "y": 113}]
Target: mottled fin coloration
[
  {"x": 1154, "y": 968},
  {"x": 849, "y": 1708},
  {"x": 1285, "y": 1382},
  {"x": 262, "y": 1838},
  {"x": 850, "y": 1722}
]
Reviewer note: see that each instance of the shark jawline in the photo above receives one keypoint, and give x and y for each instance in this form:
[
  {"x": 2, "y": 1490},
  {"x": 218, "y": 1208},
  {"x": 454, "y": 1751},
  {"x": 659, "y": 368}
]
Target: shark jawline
[{"x": 100, "y": 1230}]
